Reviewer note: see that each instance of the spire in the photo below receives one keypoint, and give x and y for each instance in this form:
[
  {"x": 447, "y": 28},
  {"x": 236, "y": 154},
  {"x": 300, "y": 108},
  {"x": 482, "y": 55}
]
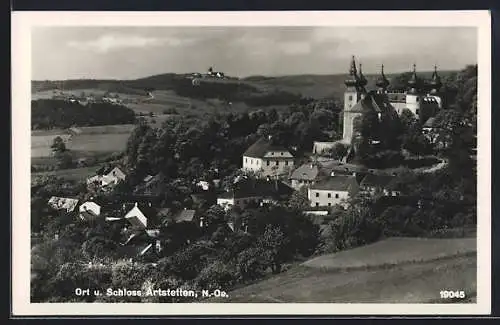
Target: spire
[
  {"x": 352, "y": 70},
  {"x": 413, "y": 83},
  {"x": 382, "y": 81},
  {"x": 362, "y": 79},
  {"x": 353, "y": 79},
  {"x": 435, "y": 82}
]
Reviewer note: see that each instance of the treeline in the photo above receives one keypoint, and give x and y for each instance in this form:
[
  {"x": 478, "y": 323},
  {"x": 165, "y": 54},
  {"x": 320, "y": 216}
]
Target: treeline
[
  {"x": 50, "y": 113},
  {"x": 187, "y": 148}
]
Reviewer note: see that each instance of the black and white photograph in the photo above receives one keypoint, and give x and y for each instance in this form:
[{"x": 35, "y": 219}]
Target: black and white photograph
[{"x": 288, "y": 159}]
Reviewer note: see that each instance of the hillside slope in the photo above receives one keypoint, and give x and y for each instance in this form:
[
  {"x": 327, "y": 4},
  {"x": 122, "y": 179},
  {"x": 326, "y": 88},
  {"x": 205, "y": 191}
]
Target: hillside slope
[{"x": 377, "y": 273}]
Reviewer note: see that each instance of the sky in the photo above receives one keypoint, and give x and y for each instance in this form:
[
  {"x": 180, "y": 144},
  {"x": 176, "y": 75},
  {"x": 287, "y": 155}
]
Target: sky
[{"x": 60, "y": 53}]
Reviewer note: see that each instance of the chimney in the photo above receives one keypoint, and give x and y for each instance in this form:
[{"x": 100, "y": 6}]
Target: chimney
[
  {"x": 135, "y": 204},
  {"x": 269, "y": 137},
  {"x": 332, "y": 173},
  {"x": 201, "y": 222}
]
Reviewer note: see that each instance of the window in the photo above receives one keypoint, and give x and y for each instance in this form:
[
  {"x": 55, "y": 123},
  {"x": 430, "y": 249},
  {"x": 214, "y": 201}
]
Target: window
[
  {"x": 268, "y": 162},
  {"x": 336, "y": 195},
  {"x": 281, "y": 153},
  {"x": 350, "y": 97},
  {"x": 277, "y": 163},
  {"x": 329, "y": 204},
  {"x": 317, "y": 204},
  {"x": 329, "y": 195},
  {"x": 416, "y": 112},
  {"x": 417, "y": 99},
  {"x": 286, "y": 163},
  {"x": 317, "y": 194}
]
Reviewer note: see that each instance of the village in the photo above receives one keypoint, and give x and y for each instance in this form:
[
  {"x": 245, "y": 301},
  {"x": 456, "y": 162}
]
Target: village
[{"x": 270, "y": 174}]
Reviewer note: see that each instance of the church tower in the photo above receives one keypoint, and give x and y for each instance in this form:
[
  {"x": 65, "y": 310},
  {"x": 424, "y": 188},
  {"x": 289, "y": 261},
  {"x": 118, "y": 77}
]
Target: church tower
[
  {"x": 413, "y": 96},
  {"x": 352, "y": 95},
  {"x": 382, "y": 82}
]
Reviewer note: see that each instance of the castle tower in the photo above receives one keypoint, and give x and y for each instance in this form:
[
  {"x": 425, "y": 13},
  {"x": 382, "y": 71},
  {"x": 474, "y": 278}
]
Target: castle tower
[
  {"x": 435, "y": 83},
  {"x": 382, "y": 82},
  {"x": 413, "y": 95},
  {"x": 362, "y": 82},
  {"x": 352, "y": 95}
]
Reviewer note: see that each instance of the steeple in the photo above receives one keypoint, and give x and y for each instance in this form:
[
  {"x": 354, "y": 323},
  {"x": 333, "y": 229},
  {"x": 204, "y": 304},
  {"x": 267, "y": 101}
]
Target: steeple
[
  {"x": 353, "y": 80},
  {"x": 382, "y": 81},
  {"x": 435, "y": 83},
  {"x": 414, "y": 81},
  {"x": 362, "y": 79}
]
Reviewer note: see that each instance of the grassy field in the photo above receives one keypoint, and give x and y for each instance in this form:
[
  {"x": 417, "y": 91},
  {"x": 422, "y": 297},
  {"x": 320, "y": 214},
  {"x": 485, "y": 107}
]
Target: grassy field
[
  {"x": 368, "y": 276},
  {"x": 394, "y": 251},
  {"x": 75, "y": 174},
  {"x": 102, "y": 139}
]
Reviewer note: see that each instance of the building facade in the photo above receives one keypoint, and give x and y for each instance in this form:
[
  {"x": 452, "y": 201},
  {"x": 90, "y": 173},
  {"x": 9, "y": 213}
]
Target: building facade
[
  {"x": 421, "y": 98},
  {"x": 265, "y": 159},
  {"x": 335, "y": 190}
]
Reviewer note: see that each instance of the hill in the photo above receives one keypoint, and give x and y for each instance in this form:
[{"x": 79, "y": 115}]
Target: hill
[
  {"x": 396, "y": 270},
  {"x": 315, "y": 86}
]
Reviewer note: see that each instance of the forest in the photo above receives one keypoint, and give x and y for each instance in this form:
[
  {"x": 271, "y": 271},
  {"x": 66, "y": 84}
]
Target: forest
[{"x": 51, "y": 113}]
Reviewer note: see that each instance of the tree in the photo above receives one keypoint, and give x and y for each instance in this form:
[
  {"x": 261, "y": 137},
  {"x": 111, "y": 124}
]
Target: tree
[
  {"x": 298, "y": 200},
  {"x": 58, "y": 145},
  {"x": 275, "y": 243}
]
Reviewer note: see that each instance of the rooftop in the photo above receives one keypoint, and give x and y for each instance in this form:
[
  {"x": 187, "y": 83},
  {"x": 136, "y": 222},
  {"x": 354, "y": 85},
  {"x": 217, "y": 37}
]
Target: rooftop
[
  {"x": 257, "y": 188},
  {"x": 341, "y": 183},
  {"x": 62, "y": 203},
  {"x": 261, "y": 147}
]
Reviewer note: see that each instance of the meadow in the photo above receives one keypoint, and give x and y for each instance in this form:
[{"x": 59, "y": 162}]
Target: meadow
[
  {"x": 94, "y": 141},
  {"x": 396, "y": 270}
]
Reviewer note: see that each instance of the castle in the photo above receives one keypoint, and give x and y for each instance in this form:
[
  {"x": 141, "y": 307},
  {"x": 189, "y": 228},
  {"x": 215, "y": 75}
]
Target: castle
[{"x": 422, "y": 99}]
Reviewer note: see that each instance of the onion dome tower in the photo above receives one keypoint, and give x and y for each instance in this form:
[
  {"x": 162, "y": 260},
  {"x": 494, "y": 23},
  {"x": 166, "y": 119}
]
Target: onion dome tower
[
  {"x": 353, "y": 82},
  {"x": 413, "y": 95},
  {"x": 435, "y": 82},
  {"x": 414, "y": 82},
  {"x": 382, "y": 82}
]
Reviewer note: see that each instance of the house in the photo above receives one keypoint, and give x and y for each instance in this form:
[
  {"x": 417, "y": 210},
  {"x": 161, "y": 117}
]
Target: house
[
  {"x": 151, "y": 185},
  {"x": 308, "y": 173},
  {"x": 62, "y": 204},
  {"x": 107, "y": 177},
  {"x": 320, "y": 147},
  {"x": 141, "y": 217},
  {"x": 333, "y": 190},
  {"x": 267, "y": 159},
  {"x": 89, "y": 211},
  {"x": 254, "y": 191},
  {"x": 185, "y": 215},
  {"x": 373, "y": 183}
]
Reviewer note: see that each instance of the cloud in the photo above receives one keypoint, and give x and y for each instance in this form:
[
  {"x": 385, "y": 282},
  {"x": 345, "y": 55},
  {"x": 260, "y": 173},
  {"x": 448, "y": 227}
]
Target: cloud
[{"x": 106, "y": 43}]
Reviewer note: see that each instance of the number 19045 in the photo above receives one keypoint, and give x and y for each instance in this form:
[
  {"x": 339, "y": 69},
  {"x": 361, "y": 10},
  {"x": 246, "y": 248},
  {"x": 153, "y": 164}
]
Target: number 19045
[{"x": 450, "y": 294}]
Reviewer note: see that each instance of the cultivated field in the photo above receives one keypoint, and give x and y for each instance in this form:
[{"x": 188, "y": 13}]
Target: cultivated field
[
  {"x": 75, "y": 174},
  {"x": 422, "y": 269},
  {"x": 99, "y": 139}
]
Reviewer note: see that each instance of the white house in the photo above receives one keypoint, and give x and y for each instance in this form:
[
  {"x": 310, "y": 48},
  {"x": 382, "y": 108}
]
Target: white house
[
  {"x": 332, "y": 190},
  {"x": 62, "y": 203},
  {"x": 137, "y": 218},
  {"x": 372, "y": 184},
  {"x": 89, "y": 210},
  {"x": 267, "y": 159},
  {"x": 254, "y": 191}
]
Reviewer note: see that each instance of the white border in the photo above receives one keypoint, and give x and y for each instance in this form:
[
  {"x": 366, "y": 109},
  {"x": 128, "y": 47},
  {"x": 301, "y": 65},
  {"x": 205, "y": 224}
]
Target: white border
[{"x": 21, "y": 67}]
